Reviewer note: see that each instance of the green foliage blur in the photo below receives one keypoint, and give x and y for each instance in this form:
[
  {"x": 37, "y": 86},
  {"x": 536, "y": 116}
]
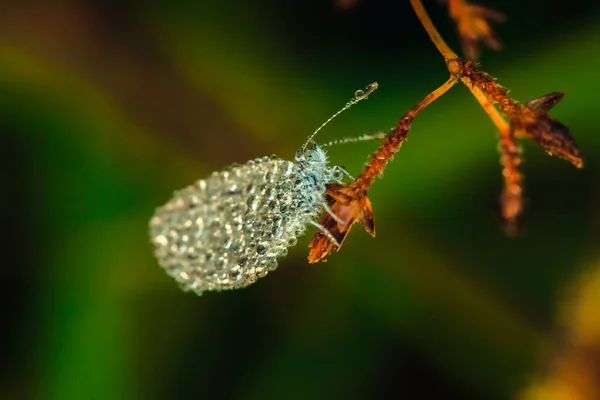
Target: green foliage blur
[{"x": 107, "y": 107}]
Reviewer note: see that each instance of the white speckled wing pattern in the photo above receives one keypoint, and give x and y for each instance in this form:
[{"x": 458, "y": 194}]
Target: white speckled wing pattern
[{"x": 227, "y": 231}]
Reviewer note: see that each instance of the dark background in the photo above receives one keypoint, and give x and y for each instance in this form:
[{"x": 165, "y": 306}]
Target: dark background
[{"x": 107, "y": 107}]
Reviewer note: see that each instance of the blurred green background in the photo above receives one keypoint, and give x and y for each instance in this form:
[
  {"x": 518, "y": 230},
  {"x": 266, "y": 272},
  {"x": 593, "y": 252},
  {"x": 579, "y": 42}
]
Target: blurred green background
[{"x": 107, "y": 107}]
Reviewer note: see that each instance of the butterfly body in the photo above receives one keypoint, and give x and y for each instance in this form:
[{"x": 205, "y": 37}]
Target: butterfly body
[{"x": 228, "y": 230}]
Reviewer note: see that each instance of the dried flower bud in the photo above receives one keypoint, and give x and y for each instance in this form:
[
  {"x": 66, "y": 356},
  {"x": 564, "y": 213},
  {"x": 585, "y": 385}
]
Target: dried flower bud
[
  {"x": 533, "y": 121},
  {"x": 545, "y": 103},
  {"x": 473, "y": 28},
  {"x": 350, "y": 204}
]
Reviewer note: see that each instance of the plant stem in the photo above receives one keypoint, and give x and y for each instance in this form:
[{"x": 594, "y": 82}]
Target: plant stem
[
  {"x": 487, "y": 106},
  {"x": 441, "y": 45},
  {"x": 395, "y": 138},
  {"x": 431, "y": 97}
]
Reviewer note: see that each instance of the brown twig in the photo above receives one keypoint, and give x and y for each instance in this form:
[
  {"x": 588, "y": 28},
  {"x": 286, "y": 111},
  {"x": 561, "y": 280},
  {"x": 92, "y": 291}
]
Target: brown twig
[
  {"x": 350, "y": 203},
  {"x": 511, "y": 201},
  {"x": 396, "y": 137},
  {"x": 435, "y": 36},
  {"x": 512, "y": 193},
  {"x": 530, "y": 120}
]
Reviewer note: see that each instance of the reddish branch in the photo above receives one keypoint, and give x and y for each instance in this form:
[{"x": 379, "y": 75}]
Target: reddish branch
[
  {"x": 350, "y": 201},
  {"x": 530, "y": 120}
]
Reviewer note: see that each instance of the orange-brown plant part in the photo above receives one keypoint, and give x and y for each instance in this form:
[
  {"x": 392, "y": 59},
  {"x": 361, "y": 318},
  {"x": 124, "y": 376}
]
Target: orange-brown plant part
[
  {"x": 555, "y": 138},
  {"x": 350, "y": 202},
  {"x": 531, "y": 119},
  {"x": 473, "y": 27},
  {"x": 511, "y": 201}
]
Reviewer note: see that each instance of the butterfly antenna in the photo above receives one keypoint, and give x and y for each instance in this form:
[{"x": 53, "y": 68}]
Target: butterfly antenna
[
  {"x": 362, "y": 138},
  {"x": 358, "y": 96}
]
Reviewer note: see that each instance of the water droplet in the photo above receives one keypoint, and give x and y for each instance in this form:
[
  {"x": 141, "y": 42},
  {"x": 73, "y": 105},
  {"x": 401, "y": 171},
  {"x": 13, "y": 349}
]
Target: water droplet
[
  {"x": 254, "y": 202},
  {"x": 261, "y": 249},
  {"x": 272, "y": 264}
]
